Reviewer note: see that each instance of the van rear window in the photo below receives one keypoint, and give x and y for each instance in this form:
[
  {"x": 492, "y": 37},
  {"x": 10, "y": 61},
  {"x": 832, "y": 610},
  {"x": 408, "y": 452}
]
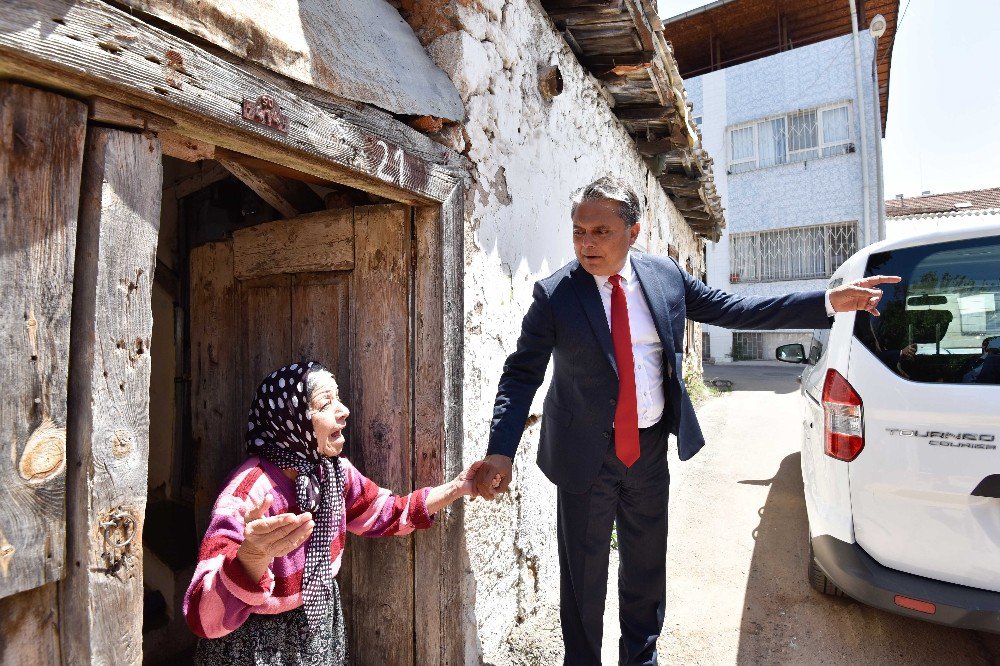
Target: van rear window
[{"x": 942, "y": 322}]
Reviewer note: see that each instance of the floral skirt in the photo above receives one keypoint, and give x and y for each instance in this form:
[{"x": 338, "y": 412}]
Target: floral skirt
[{"x": 280, "y": 639}]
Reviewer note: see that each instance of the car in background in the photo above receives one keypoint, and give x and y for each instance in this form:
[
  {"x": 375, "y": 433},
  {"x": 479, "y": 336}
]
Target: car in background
[{"x": 901, "y": 446}]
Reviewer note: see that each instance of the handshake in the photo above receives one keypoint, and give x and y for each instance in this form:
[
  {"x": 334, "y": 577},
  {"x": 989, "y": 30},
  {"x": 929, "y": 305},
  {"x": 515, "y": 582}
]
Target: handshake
[{"x": 487, "y": 477}]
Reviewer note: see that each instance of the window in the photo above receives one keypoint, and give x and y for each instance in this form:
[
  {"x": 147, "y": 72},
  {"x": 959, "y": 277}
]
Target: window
[
  {"x": 743, "y": 156},
  {"x": 836, "y": 130},
  {"x": 794, "y": 253},
  {"x": 817, "y": 346},
  {"x": 794, "y": 137},
  {"x": 803, "y": 135},
  {"x": 748, "y": 346},
  {"x": 942, "y": 322}
]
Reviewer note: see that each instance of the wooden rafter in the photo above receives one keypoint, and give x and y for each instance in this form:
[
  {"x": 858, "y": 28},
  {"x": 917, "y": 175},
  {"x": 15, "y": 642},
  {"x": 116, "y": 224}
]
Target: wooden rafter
[
  {"x": 288, "y": 197},
  {"x": 621, "y": 43}
]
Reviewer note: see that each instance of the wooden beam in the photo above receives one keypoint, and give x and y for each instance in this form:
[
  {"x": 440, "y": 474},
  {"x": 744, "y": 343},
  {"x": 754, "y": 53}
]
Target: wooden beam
[
  {"x": 685, "y": 204},
  {"x": 322, "y": 241},
  {"x": 109, "y": 112},
  {"x": 671, "y": 180},
  {"x": 649, "y": 7},
  {"x": 41, "y": 151},
  {"x": 657, "y": 146},
  {"x": 596, "y": 63},
  {"x": 641, "y": 26},
  {"x": 93, "y": 49},
  {"x": 573, "y": 44},
  {"x": 209, "y": 174},
  {"x": 583, "y": 6},
  {"x": 185, "y": 148},
  {"x": 109, "y": 392},
  {"x": 566, "y": 9},
  {"x": 649, "y": 112},
  {"x": 288, "y": 197}
]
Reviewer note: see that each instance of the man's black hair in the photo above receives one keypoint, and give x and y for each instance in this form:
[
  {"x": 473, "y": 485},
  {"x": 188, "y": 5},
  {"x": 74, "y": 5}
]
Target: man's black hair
[{"x": 612, "y": 189}]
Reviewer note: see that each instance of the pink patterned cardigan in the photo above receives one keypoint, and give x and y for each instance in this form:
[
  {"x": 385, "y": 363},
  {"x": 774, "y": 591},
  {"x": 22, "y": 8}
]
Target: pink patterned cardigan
[{"x": 222, "y": 595}]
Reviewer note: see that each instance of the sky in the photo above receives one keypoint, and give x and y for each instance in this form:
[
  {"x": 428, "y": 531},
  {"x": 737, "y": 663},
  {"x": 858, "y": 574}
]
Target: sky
[{"x": 943, "y": 133}]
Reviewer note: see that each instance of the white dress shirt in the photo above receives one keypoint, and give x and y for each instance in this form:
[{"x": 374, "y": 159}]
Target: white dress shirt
[{"x": 647, "y": 348}]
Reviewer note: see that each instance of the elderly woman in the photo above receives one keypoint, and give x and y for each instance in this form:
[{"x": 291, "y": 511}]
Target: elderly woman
[{"x": 264, "y": 590}]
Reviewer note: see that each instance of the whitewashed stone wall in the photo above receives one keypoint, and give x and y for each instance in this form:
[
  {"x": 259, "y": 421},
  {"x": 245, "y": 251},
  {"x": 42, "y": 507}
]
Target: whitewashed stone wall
[{"x": 528, "y": 155}]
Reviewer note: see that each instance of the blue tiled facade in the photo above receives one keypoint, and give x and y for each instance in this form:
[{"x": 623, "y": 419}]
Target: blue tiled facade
[{"x": 818, "y": 191}]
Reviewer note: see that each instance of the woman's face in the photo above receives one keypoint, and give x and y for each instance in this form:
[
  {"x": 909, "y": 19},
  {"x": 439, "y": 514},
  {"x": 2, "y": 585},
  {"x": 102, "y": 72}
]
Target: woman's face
[{"x": 329, "y": 416}]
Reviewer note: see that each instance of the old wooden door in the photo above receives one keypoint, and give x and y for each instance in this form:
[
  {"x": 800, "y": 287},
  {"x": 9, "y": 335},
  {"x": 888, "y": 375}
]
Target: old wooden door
[{"x": 333, "y": 286}]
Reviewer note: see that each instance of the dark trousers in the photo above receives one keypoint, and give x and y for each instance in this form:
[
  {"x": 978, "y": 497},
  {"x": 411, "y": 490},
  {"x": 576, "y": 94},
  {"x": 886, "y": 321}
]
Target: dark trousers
[{"x": 636, "y": 499}]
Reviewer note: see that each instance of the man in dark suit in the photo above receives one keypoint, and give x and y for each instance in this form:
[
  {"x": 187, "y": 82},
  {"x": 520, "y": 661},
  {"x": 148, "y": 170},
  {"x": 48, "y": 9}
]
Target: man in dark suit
[{"x": 613, "y": 320}]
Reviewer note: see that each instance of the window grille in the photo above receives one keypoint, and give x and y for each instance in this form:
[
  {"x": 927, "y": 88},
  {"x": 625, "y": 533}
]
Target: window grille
[
  {"x": 748, "y": 346},
  {"x": 794, "y": 137},
  {"x": 793, "y": 253}
]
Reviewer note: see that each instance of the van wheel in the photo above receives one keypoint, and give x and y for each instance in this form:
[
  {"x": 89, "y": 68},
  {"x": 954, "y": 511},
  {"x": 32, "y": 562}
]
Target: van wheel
[{"x": 818, "y": 580}]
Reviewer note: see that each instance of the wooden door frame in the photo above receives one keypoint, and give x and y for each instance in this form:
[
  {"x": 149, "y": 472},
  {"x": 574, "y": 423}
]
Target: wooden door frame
[{"x": 156, "y": 81}]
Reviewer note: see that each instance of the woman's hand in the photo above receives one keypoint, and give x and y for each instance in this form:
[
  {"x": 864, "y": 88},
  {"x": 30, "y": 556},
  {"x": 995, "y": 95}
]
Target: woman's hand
[
  {"x": 466, "y": 480},
  {"x": 274, "y": 536},
  {"x": 464, "y": 484}
]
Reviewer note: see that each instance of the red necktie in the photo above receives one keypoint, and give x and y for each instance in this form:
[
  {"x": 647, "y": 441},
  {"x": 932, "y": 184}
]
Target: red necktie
[{"x": 627, "y": 409}]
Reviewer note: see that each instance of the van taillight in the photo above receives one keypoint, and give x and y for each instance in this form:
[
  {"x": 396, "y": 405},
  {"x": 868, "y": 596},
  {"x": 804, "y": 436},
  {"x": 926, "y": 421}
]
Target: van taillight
[{"x": 843, "y": 426}]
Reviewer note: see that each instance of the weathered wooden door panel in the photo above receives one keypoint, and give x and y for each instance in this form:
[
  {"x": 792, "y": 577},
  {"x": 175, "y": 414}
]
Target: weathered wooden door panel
[
  {"x": 216, "y": 416},
  {"x": 359, "y": 324},
  {"x": 101, "y": 598},
  {"x": 41, "y": 153},
  {"x": 265, "y": 335},
  {"x": 321, "y": 320},
  {"x": 381, "y": 583},
  {"x": 322, "y": 241}
]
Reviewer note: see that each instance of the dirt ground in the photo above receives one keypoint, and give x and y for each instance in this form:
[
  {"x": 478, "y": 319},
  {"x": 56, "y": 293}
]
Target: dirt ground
[{"x": 737, "y": 589}]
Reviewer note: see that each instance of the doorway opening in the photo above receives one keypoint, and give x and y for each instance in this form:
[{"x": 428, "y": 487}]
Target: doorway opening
[{"x": 258, "y": 267}]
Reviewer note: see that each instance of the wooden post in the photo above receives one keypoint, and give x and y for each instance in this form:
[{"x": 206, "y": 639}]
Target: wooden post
[
  {"x": 41, "y": 154},
  {"x": 381, "y": 620},
  {"x": 108, "y": 429},
  {"x": 428, "y": 423},
  {"x": 451, "y": 522}
]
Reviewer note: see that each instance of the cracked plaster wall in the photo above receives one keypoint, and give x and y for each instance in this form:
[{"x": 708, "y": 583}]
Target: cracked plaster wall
[{"x": 528, "y": 155}]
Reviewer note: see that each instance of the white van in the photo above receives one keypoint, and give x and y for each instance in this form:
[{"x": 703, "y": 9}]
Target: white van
[{"x": 900, "y": 457}]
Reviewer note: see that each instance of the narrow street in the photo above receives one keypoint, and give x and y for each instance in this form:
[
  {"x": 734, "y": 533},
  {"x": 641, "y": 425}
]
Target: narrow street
[{"x": 737, "y": 589}]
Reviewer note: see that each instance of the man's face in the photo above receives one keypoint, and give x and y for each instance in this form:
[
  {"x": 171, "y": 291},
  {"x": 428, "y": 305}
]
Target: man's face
[{"x": 600, "y": 237}]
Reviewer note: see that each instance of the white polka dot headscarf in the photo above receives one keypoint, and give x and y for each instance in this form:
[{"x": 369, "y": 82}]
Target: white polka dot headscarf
[{"x": 279, "y": 429}]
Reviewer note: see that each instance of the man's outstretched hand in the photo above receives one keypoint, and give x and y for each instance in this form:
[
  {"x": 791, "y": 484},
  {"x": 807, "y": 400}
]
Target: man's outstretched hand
[
  {"x": 860, "y": 294},
  {"x": 493, "y": 476}
]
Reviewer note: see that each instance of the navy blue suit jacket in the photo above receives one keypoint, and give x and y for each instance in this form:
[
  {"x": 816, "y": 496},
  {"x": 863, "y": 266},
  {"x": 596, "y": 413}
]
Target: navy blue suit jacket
[{"x": 566, "y": 322}]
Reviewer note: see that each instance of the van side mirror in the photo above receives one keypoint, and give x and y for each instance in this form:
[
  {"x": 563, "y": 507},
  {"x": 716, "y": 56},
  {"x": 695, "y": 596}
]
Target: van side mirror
[{"x": 793, "y": 353}]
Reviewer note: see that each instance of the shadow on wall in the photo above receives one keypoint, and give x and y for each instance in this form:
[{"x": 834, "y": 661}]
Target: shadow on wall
[
  {"x": 535, "y": 232},
  {"x": 785, "y": 621}
]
